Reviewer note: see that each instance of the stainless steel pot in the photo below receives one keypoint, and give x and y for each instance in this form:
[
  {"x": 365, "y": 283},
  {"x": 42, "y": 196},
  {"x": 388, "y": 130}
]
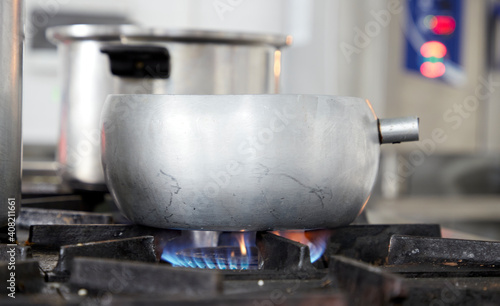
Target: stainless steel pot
[
  {"x": 243, "y": 162},
  {"x": 100, "y": 60},
  {"x": 11, "y": 55}
]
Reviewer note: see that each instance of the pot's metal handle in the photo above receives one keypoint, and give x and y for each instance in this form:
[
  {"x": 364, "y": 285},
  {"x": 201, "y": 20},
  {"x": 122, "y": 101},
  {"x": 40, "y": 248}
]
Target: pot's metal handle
[
  {"x": 396, "y": 130},
  {"x": 138, "y": 61}
]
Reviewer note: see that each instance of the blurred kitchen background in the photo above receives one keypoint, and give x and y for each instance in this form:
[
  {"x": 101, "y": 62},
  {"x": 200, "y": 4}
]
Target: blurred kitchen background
[{"x": 437, "y": 59}]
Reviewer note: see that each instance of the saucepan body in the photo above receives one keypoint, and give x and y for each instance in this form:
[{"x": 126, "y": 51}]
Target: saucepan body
[{"x": 239, "y": 162}]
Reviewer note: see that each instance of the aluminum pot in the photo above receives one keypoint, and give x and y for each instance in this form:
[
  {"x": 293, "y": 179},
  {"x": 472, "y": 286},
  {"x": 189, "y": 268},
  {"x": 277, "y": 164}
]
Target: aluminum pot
[
  {"x": 243, "y": 162},
  {"x": 99, "y": 60},
  {"x": 11, "y": 55}
]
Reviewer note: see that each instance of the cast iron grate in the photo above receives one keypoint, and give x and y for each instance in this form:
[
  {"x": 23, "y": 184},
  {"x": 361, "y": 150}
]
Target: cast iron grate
[{"x": 119, "y": 264}]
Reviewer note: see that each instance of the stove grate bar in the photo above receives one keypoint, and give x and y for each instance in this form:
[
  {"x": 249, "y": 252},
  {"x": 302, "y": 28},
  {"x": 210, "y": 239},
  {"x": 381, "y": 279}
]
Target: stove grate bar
[
  {"x": 367, "y": 284},
  {"x": 136, "y": 249},
  {"x": 275, "y": 297},
  {"x": 370, "y": 243},
  {"x": 279, "y": 253},
  {"x": 125, "y": 277},
  {"x": 430, "y": 270},
  {"x": 36, "y": 216},
  {"x": 452, "y": 252},
  {"x": 60, "y": 235}
]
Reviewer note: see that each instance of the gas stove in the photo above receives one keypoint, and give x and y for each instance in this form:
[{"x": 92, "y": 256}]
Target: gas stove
[{"x": 76, "y": 250}]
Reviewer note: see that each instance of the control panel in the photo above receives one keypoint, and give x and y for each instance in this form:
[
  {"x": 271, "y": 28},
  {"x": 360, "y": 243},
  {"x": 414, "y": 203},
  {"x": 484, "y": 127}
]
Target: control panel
[{"x": 433, "y": 39}]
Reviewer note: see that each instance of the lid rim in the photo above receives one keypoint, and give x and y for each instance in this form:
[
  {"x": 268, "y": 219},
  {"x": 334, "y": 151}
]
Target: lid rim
[{"x": 131, "y": 32}]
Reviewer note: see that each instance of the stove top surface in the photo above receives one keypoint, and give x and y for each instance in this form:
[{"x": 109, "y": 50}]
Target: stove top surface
[{"x": 67, "y": 253}]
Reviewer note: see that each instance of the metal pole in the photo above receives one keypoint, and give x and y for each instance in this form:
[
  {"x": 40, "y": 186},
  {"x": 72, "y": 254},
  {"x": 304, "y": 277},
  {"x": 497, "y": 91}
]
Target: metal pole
[{"x": 11, "y": 58}]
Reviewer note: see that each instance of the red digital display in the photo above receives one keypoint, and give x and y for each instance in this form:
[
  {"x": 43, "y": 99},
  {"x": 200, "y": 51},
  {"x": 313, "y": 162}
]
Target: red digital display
[
  {"x": 433, "y": 53},
  {"x": 442, "y": 25},
  {"x": 432, "y": 70},
  {"x": 433, "y": 49}
]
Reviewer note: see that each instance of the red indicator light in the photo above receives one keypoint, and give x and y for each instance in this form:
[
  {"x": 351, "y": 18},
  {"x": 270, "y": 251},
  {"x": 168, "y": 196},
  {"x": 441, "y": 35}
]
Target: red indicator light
[
  {"x": 433, "y": 49},
  {"x": 432, "y": 70},
  {"x": 442, "y": 25}
]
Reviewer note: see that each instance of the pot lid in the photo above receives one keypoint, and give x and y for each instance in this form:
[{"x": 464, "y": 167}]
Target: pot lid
[{"x": 131, "y": 32}]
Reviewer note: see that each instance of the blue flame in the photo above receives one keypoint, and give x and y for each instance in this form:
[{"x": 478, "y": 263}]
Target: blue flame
[
  {"x": 234, "y": 251},
  {"x": 317, "y": 249}
]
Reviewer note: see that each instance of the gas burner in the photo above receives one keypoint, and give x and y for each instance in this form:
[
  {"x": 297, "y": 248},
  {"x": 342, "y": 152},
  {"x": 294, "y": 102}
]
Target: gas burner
[
  {"x": 232, "y": 258},
  {"x": 122, "y": 264}
]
